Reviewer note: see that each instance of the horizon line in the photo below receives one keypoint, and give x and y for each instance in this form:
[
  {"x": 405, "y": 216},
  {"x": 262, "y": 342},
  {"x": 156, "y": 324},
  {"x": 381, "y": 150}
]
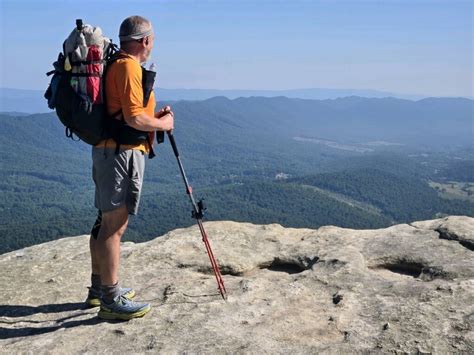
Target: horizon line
[{"x": 389, "y": 93}]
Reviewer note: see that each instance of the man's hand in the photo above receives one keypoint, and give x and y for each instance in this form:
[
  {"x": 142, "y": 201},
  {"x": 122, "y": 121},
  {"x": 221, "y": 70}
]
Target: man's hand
[
  {"x": 167, "y": 122},
  {"x": 163, "y": 120},
  {"x": 166, "y": 117},
  {"x": 163, "y": 111}
]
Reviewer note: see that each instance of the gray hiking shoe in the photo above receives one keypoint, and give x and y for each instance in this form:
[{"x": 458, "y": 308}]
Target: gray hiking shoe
[
  {"x": 123, "y": 308},
  {"x": 94, "y": 295}
]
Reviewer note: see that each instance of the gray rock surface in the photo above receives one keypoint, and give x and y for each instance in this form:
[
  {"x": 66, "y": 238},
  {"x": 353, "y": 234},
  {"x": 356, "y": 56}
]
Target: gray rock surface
[{"x": 406, "y": 288}]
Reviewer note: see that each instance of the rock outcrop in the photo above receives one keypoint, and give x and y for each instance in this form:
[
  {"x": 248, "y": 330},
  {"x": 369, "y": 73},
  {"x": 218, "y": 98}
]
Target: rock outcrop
[{"x": 406, "y": 288}]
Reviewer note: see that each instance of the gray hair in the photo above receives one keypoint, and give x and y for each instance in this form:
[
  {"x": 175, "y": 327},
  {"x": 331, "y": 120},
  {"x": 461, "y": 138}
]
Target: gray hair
[{"x": 134, "y": 27}]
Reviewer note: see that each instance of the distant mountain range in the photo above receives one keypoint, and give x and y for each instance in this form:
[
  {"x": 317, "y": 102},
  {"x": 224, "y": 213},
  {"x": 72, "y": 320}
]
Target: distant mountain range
[
  {"x": 353, "y": 123},
  {"x": 311, "y": 94},
  {"x": 32, "y": 101}
]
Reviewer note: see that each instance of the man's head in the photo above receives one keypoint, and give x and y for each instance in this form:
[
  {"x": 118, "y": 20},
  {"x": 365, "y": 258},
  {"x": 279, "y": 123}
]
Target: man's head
[{"x": 136, "y": 37}]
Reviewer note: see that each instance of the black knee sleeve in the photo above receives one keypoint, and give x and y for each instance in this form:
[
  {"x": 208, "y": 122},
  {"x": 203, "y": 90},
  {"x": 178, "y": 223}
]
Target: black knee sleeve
[{"x": 96, "y": 226}]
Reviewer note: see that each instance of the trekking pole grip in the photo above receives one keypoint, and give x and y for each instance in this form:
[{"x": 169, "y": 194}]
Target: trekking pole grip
[{"x": 173, "y": 143}]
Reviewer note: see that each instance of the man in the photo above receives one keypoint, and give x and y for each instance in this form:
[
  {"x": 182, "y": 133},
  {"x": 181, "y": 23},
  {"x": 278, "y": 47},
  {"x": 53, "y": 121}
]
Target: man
[{"x": 118, "y": 169}]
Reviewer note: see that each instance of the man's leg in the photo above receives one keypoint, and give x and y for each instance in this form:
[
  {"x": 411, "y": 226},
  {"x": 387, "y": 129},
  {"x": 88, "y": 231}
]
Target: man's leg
[
  {"x": 95, "y": 290},
  {"x": 107, "y": 248},
  {"x": 113, "y": 304},
  {"x": 93, "y": 246},
  {"x": 95, "y": 267},
  {"x": 95, "y": 293}
]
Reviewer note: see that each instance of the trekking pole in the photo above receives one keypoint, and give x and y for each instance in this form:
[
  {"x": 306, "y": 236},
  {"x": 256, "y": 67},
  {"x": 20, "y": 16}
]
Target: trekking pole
[{"x": 198, "y": 209}]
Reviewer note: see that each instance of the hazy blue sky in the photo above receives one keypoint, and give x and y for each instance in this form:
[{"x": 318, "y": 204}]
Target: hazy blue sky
[{"x": 406, "y": 46}]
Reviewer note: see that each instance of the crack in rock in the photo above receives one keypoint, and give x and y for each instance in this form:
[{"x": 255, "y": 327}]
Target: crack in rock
[
  {"x": 444, "y": 233},
  {"x": 414, "y": 269},
  {"x": 291, "y": 266}
]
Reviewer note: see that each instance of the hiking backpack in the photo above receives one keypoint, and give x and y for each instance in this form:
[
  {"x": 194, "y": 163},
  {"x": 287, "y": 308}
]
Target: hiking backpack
[{"x": 76, "y": 90}]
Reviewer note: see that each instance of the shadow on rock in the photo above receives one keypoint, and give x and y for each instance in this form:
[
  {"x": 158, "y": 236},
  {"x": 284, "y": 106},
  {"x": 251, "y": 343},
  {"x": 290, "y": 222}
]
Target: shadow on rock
[
  {"x": 22, "y": 311},
  {"x": 17, "y": 311},
  {"x": 7, "y": 333}
]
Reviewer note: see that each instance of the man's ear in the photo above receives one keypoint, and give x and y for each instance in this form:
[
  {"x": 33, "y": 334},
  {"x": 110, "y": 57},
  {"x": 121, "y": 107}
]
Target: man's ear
[{"x": 146, "y": 41}]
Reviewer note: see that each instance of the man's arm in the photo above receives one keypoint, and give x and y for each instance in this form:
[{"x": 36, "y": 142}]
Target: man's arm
[
  {"x": 146, "y": 123},
  {"x": 128, "y": 80}
]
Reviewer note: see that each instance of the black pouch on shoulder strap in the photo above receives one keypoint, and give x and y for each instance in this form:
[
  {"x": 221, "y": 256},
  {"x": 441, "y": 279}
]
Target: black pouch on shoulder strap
[{"x": 148, "y": 81}]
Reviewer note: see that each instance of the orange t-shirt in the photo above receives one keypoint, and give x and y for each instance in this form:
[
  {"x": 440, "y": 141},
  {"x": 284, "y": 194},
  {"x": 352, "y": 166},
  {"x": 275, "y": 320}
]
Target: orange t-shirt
[{"x": 123, "y": 89}]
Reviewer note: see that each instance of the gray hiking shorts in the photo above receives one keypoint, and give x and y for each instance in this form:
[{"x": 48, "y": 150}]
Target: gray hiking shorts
[{"x": 118, "y": 178}]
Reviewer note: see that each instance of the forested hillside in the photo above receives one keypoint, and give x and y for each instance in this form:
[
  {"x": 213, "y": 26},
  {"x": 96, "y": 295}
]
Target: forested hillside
[
  {"x": 241, "y": 156},
  {"x": 402, "y": 199}
]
